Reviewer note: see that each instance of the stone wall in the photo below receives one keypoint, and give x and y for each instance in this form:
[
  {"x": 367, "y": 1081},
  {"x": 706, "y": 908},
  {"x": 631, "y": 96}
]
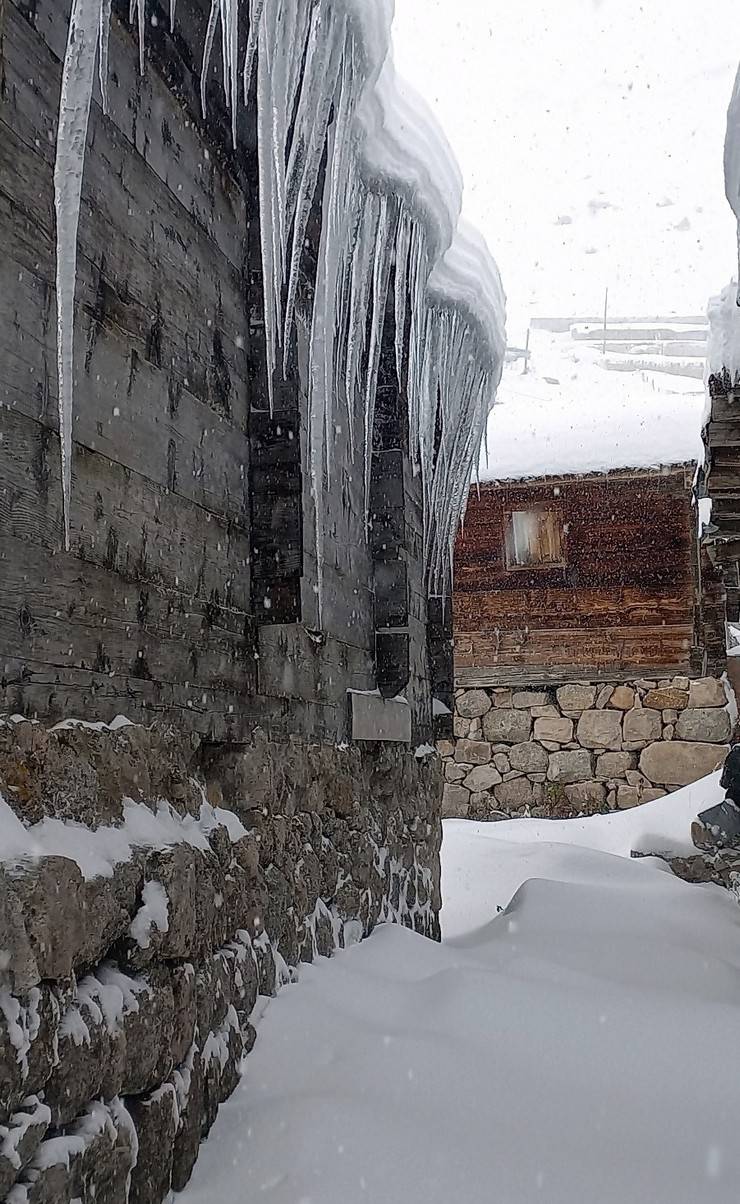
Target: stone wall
[
  {"x": 581, "y": 748},
  {"x": 137, "y": 933}
]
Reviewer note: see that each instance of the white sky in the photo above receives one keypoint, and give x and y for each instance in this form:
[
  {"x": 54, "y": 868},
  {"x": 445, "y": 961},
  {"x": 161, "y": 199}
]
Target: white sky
[{"x": 610, "y": 113}]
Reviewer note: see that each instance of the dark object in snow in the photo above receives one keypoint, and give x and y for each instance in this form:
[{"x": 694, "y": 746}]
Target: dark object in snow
[{"x": 719, "y": 827}]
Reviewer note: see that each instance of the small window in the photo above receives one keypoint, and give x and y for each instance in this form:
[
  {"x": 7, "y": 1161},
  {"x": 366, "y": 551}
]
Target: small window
[{"x": 533, "y": 538}]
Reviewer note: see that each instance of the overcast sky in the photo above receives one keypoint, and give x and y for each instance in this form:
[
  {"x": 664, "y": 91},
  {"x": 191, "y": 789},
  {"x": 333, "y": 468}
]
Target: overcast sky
[{"x": 590, "y": 137}]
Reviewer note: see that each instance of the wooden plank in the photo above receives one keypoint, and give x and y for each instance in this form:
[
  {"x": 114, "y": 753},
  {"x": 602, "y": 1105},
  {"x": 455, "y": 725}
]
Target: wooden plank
[
  {"x": 492, "y": 677},
  {"x": 121, "y": 521},
  {"x": 58, "y": 612}
]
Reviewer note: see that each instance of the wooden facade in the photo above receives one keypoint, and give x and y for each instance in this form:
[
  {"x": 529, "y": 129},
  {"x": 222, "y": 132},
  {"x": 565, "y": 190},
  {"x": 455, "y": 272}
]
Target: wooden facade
[
  {"x": 615, "y": 594},
  {"x": 722, "y": 484},
  {"x": 190, "y": 590}
]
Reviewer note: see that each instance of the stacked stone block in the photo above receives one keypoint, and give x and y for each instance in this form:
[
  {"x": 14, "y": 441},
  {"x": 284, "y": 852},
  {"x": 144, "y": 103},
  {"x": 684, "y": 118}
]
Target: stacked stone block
[
  {"x": 126, "y": 993},
  {"x": 582, "y": 747}
]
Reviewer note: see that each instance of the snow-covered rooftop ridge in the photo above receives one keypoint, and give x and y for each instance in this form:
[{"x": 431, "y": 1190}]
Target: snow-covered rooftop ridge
[
  {"x": 570, "y": 415},
  {"x": 723, "y": 350}
]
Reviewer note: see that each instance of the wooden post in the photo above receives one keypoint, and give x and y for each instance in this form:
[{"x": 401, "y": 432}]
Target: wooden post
[{"x": 606, "y": 305}]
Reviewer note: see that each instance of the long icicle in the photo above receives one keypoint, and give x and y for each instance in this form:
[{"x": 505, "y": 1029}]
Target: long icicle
[{"x": 78, "y": 74}]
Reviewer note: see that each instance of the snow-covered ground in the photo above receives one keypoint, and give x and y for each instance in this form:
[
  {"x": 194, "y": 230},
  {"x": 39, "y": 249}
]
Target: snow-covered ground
[
  {"x": 570, "y": 414},
  {"x": 575, "y": 1047}
]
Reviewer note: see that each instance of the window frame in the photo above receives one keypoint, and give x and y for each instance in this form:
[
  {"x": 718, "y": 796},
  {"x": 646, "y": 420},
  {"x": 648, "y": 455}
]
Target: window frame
[{"x": 536, "y": 566}]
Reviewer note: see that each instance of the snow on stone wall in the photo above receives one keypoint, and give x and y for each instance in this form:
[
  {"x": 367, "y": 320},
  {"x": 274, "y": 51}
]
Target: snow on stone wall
[{"x": 136, "y": 935}]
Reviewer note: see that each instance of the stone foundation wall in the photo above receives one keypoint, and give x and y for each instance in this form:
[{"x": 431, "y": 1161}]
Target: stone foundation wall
[
  {"x": 581, "y": 748},
  {"x": 136, "y": 934}
]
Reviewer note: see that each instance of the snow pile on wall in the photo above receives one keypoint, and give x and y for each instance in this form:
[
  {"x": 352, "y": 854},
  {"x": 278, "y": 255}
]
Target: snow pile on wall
[
  {"x": 723, "y": 351},
  {"x": 332, "y": 114}
]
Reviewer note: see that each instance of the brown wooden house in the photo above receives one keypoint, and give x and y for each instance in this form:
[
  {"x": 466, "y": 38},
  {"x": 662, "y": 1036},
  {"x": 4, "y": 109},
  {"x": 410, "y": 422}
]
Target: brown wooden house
[
  {"x": 589, "y": 637},
  {"x": 594, "y": 576}
]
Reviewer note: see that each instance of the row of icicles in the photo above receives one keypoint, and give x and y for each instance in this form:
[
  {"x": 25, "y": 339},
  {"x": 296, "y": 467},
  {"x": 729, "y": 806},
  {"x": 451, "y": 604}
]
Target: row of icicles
[{"x": 309, "y": 86}]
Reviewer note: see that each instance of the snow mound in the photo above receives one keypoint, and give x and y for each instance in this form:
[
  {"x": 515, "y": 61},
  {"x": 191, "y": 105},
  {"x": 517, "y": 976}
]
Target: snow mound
[{"x": 572, "y": 1048}]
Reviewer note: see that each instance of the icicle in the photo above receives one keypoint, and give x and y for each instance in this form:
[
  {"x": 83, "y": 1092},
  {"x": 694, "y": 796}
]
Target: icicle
[
  {"x": 137, "y": 8},
  {"x": 172, "y": 15},
  {"x": 105, "y": 19},
  {"x": 207, "y": 50},
  {"x": 255, "y": 20},
  {"x": 78, "y": 73}
]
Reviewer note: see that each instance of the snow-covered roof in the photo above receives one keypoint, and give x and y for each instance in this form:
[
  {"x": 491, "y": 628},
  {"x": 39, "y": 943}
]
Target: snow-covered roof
[
  {"x": 569, "y": 414},
  {"x": 723, "y": 351}
]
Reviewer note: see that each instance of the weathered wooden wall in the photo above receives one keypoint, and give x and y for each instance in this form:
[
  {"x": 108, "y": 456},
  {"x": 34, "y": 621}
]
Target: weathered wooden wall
[
  {"x": 722, "y": 485},
  {"x": 625, "y": 602},
  {"x": 190, "y": 588}
]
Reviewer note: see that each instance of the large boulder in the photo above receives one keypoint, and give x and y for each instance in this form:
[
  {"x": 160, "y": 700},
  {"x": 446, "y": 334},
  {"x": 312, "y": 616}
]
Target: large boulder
[
  {"x": 711, "y": 725},
  {"x": 614, "y": 764},
  {"x": 600, "y": 729},
  {"x": 473, "y": 752},
  {"x": 529, "y": 757},
  {"x": 677, "y": 763},
  {"x": 483, "y": 777},
  {"x": 641, "y": 725},
  {"x": 707, "y": 692},
  {"x": 513, "y": 795},
  {"x": 576, "y": 697},
  {"x": 455, "y": 802},
  {"x": 559, "y": 730},
  {"x": 573, "y": 765},
  {"x": 507, "y": 726},
  {"x": 472, "y": 704}
]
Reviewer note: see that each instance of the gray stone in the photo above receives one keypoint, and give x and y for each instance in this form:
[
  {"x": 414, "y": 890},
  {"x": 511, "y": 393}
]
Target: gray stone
[
  {"x": 670, "y": 716},
  {"x": 641, "y": 724},
  {"x": 26, "y": 1129},
  {"x": 482, "y": 777},
  {"x": 155, "y": 1118},
  {"x": 680, "y": 683},
  {"x": 651, "y": 793},
  {"x": 603, "y": 696},
  {"x": 529, "y": 698},
  {"x": 568, "y": 767},
  {"x": 507, "y": 726},
  {"x": 515, "y": 794},
  {"x": 680, "y": 762},
  {"x": 502, "y": 762},
  {"x": 669, "y": 731},
  {"x": 557, "y": 731},
  {"x": 710, "y": 725},
  {"x": 635, "y": 778},
  {"x": 502, "y": 698},
  {"x": 472, "y": 704},
  {"x": 455, "y": 772},
  {"x": 545, "y": 712},
  {"x": 622, "y": 698},
  {"x": 707, "y": 692},
  {"x": 446, "y": 748},
  {"x": 600, "y": 729},
  {"x": 455, "y": 802},
  {"x": 18, "y": 967},
  {"x": 576, "y": 697},
  {"x": 529, "y": 757},
  {"x": 476, "y": 729},
  {"x": 589, "y": 797},
  {"x": 628, "y": 796},
  {"x": 51, "y": 894},
  {"x": 460, "y": 727},
  {"x": 473, "y": 752},
  {"x": 614, "y": 764}
]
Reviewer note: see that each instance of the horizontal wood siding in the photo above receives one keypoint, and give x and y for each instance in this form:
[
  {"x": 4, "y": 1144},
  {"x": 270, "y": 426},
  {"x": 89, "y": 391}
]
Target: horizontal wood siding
[{"x": 623, "y": 602}]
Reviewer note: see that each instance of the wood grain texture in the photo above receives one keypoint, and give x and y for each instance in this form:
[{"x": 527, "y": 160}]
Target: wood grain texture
[{"x": 624, "y": 602}]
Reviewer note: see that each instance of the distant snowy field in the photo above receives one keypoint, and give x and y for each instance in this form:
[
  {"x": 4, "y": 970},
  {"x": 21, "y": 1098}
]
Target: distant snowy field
[{"x": 576, "y": 1047}]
